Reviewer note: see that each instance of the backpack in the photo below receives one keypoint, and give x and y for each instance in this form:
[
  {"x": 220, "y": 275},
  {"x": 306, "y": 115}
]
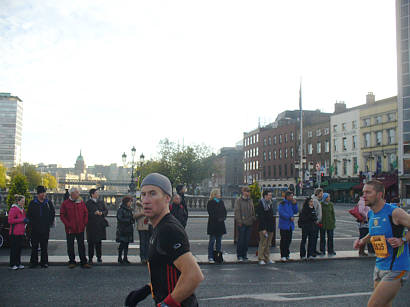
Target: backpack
[{"x": 218, "y": 257}]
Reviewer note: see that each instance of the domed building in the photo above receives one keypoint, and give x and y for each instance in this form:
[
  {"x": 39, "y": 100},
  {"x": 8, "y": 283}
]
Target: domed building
[{"x": 79, "y": 164}]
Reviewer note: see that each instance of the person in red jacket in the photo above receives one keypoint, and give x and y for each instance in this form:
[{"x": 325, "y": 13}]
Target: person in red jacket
[
  {"x": 17, "y": 220},
  {"x": 74, "y": 215}
]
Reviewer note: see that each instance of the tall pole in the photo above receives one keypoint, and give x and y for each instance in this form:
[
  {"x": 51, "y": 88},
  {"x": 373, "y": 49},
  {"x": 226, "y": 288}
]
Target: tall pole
[{"x": 301, "y": 140}]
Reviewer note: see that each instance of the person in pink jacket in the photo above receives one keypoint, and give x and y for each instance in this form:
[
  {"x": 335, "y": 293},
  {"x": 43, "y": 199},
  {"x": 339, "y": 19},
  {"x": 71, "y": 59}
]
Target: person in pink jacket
[{"x": 17, "y": 220}]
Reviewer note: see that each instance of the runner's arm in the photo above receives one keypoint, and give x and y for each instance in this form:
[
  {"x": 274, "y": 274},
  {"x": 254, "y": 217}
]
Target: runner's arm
[
  {"x": 400, "y": 217},
  {"x": 191, "y": 276}
]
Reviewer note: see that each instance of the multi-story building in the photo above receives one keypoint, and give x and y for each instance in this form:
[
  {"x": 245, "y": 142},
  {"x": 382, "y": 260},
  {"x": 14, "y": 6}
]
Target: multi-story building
[
  {"x": 345, "y": 145},
  {"x": 251, "y": 149},
  {"x": 11, "y": 126},
  {"x": 403, "y": 90}
]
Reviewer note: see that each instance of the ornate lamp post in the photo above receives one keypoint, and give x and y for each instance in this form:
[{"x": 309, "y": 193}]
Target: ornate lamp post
[
  {"x": 132, "y": 186},
  {"x": 139, "y": 172}
]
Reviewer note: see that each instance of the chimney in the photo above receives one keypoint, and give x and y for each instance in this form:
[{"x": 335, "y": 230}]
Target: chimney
[
  {"x": 340, "y": 107},
  {"x": 370, "y": 98}
]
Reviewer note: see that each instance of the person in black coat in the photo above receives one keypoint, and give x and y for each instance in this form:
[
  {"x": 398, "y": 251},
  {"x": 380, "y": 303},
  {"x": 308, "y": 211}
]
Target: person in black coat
[
  {"x": 265, "y": 213},
  {"x": 308, "y": 222},
  {"x": 125, "y": 228},
  {"x": 41, "y": 214},
  {"x": 216, "y": 223},
  {"x": 97, "y": 211},
  {"x": 180, "y": 188},
  {"x": 178, "y": 210}
]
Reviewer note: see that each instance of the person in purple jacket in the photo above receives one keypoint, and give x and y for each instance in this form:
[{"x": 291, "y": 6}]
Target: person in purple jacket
[{"x": 287, "y": 209}]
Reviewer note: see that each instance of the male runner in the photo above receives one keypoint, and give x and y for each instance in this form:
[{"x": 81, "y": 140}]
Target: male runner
[
  {"x": 387, "y": 234},
  {"x": 174, "y": 271}
]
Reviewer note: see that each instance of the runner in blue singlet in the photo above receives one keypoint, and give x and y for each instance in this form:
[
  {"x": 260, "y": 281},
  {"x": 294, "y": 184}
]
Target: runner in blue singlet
[{"x": 387, "y": 233}]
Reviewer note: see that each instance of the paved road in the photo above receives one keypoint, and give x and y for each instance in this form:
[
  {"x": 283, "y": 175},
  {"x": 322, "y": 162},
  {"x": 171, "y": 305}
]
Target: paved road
[
  {"x": 346, "y": 232},
  {"x": 325, "y": 283}
]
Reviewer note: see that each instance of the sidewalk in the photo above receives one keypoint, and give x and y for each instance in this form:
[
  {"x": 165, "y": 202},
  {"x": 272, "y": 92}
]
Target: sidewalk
[{"x": 202, "y": 259}]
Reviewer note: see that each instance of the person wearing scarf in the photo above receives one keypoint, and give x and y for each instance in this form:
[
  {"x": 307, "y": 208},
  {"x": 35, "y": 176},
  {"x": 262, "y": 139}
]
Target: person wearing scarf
[
  {"x": 266, "y": 218},
  {"x": 328, "y": 226},
  {"x": 216, "y": 223}
]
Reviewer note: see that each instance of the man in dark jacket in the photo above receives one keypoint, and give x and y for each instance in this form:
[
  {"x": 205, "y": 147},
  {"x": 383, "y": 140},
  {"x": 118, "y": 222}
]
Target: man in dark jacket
[
  {"x": 97, "y": 211},
  {"x": 178, "y": 210},
  {"x": 41, "y": 215},
  {"x": 181, "y": 189},
  {"x": 266, "y": 218},
  {"x": 74, "y": 215}
]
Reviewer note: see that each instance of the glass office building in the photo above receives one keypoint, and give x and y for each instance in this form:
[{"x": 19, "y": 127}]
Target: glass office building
[{"x": 11, "y": 126}]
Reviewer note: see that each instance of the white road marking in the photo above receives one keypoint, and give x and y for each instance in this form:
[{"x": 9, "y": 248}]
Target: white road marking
[{"x": 280, "y": 297}]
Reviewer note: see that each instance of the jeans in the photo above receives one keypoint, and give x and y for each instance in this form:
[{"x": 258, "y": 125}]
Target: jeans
[
  {"x": 329, "y": 234},
  {"x": 285, "y": 240},
  {"x": 81, "y": 247},
  {"x": 308, "y": 234},
  {"x": 144, "y": 243},
  {"x": 98, "y": 249},
  {"x": 42, "y": 240},
  {"x": 212, "y": 239},
  {"x": 244, "y": 234},
  {"x": 16, "y": 244}
]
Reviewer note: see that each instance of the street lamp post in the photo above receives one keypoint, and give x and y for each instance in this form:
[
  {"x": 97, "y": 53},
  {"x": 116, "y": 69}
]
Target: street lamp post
[{"x": 132, "y": 186}]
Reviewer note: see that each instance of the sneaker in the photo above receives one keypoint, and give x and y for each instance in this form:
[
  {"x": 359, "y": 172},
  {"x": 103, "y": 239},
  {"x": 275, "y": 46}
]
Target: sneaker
[
  {"x": 261, "y": 262},
  {"x": 44, "y": 266},
  {"x": 14, "y": 267},
  {"x": 21, "y": 266},
  {"x": 270, "y": 262},
  {"x": 99, "y": 260},
  {"x": 245, "y": 259},
  {"x": 287, "y": 257},
  {"x": 211, "y": 260},
  {"x": 283, "y": 259},
  {"x": 86, "y": 266},
  {"x": 303, "y": 258},
  {"x": 71, "y": 265},
  {"x": 331, "y": 254},
  {"x": 240, "y": 259}
]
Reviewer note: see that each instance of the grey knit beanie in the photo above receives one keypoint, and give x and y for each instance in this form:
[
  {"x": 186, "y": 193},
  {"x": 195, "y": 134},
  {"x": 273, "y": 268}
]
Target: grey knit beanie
[{"x": 159, "y": 181}]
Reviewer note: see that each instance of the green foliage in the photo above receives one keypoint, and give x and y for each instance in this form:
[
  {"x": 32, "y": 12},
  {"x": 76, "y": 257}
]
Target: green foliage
[
  {"x": 3, "y": 176},
  {"x": 255, "y": 193},
  {"x": 18, "y": 185},
  {"x": 187, "y": 165},
  {"x": 49, "y": 181},
  {"x": 30, "y": 172}
]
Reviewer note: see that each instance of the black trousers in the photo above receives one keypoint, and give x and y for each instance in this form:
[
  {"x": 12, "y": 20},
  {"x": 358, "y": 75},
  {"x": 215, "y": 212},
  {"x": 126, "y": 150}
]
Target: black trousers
[
  {"x": 81, "y": 247},
  {"x": 42, "y": 240},
  {"x": 316, "y": 233},
  {"x": 308, "y": 234},
  {"x": 285, "y": 240},
  {"x": 98, "y": 249},
  {"x": 16, "y": 244}
]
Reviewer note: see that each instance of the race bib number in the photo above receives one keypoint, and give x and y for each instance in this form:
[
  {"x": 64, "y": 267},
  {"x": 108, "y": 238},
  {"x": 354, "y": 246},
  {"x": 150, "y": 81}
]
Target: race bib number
[{"x": 380, "y": 246}]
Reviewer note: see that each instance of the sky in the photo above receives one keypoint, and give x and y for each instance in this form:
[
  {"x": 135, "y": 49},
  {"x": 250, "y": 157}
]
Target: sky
[{"x": 103, "y": 76}]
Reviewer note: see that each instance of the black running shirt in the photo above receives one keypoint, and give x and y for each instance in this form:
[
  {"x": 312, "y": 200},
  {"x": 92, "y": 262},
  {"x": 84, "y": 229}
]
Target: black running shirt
[{"x": 168, "y": 242}]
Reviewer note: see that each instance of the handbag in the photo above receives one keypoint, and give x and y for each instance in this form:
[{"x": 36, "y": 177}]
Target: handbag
[{"x": 356, "y": 214}]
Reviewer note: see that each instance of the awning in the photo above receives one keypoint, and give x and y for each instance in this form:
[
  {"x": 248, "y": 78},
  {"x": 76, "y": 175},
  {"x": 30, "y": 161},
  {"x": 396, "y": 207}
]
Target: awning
[
  {"x": 340, "y": 186},
  {"x": 387, "y": 184}
]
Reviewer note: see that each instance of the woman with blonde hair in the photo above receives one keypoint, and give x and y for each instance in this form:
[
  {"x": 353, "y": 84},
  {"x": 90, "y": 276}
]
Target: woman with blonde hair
[
  {"x": 17, "y": 220},
  {"x": 216, "y": 223}
]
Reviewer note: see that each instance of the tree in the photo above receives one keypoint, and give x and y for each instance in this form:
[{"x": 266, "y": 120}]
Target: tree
[
  {"x": 18, "y": 185},
  {"x": 49, "y": 181},
  {"x": 30, "y": 172},
  {"x": 3, "y": 176},
  {"x": 255, "y": 193}
]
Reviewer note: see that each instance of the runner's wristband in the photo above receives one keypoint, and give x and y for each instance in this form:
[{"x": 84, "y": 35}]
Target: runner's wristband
[{"x": 169, "y": 302}]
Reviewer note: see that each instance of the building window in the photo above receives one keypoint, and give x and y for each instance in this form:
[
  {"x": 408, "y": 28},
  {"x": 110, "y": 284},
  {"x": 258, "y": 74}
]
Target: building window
[
  {"x": 344, "y": 167},
  {"x": 310, "y": 149},
  {"x": 280, "y": 138},
  {"x": 354, "y": 124},
  {"x": 391, "y": 117},
  {"x": 274, "y": 171},
  {"x": 310, "y": 134},
  {"x": 286, "y": 153},
  {"x": 392, "y": 136},
  {"x": 378, "y": 119},
  {"x": 254, "y": 139},
  {"x": 355, "y": 166},
  {"x": 280, "y": 170},
  {"x": 335, "y": 145},
  {"x": 326, "y": 131},
  {"x": 269, "y": 171},
  {"x": 334, "y": 128},
  {"x": 257, "y": 164},
  {"x": 257, "y": 151},
  {"x": 285, "y": 168},
  {"x": 292, "y": 136},
  {"x": 291, "y": 152},
  {"x": 264, "y": 141},
  {"x": 274, "y": 155},
  {"x": 280, "y": 153},
  {"x": 270, "y": 155},
  {"x": 318, "y": 132},
  {"x": 336, "y": 168},
  {"x": 274, "y": 140},
  {"x": 366, "y": 122},
  {"x": 344, "y": 144},
  {"x": 270, "y": 140},
  {"x": 392, "y": 162},
  {"x": 286, "y": 138},
  {"x": 327, "y": 146},
  {"x": 354, "y": 141},
  {"x": 319, "y": 147},
  {"x": 344, "y": 127},
  {"x": 367, "y": 140},
  {"x": 257, "y": 138},
  {"x": 264, "y": 156},
  {"x": 379, "y": 138}
]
